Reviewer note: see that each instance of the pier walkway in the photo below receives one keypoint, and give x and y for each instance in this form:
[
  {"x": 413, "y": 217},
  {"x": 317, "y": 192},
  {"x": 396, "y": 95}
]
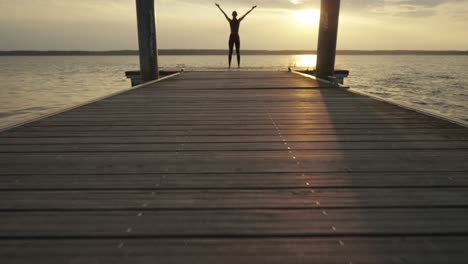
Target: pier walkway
[{"x": 235, "y": 167}]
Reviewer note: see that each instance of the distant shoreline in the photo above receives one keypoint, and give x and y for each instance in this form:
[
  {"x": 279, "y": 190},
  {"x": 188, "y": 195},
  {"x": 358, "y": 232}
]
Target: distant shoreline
[{"x": 207, "y": 52}]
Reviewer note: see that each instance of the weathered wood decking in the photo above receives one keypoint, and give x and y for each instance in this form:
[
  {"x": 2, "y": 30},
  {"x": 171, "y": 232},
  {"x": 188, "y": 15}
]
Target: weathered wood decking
[{"x": 235, "y": 167}]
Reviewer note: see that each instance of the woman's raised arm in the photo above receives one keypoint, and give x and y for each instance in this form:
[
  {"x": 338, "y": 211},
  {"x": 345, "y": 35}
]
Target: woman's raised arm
[
  {"x": 242, "y": 17},
  {"x": 223, "y": 12}
]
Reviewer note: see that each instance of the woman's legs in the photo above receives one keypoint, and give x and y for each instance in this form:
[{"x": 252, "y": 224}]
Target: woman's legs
[
  {"x": 234, "y": 40},
  {"x": 231, "y": 48},
  {"x": 237, "y": 42}
]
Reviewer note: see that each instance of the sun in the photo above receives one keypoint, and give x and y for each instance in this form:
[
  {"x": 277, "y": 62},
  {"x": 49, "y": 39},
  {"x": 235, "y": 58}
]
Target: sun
[{"x": 308, "y": 17}]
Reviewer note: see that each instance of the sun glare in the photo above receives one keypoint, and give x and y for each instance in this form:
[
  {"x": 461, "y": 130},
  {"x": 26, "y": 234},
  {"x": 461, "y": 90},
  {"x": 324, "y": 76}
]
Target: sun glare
[
  {"x": 308, "y": 17},
  {"x": 308, "y": 61}
]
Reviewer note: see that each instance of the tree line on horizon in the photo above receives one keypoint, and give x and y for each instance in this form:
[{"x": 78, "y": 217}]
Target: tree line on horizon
[{"x": 223, "y": 52}]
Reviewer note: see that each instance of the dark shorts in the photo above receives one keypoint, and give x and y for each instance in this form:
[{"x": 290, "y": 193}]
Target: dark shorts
[{"x": 234, "y": 39}]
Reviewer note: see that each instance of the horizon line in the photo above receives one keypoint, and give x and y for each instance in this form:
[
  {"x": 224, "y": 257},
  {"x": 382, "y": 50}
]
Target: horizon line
[{"x": 223, "y": 51}]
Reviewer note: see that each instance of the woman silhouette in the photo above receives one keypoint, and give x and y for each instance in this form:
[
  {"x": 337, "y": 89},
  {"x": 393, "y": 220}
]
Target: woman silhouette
[{"x": 234, "y": 37}]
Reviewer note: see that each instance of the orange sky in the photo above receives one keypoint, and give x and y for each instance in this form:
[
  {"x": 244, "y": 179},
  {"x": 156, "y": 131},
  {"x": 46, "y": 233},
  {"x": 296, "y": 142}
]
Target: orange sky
[{"x": 274, "y": 25}]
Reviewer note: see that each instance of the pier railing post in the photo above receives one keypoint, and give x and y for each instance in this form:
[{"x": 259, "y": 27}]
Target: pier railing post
[
  {"x": 147, "y": 40},
  {"x": 328, "y": 33}
]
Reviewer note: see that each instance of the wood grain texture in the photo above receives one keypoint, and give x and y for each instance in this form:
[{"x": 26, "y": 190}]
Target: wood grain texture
[
  {"x": 232, "y": 199},
  {"x": 226, "y": 181},
  {"x": 368, "y": 250},
  {"x": 234, "y": 223}
]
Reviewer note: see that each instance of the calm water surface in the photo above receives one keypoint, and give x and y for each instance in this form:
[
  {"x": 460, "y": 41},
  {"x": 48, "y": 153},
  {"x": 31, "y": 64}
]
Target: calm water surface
[{"x": 34, "y": 86}]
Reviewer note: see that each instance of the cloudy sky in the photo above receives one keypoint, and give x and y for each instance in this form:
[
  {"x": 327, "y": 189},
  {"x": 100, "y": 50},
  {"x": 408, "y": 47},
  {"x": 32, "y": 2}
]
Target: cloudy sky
[{"x": 275, "y": 25}]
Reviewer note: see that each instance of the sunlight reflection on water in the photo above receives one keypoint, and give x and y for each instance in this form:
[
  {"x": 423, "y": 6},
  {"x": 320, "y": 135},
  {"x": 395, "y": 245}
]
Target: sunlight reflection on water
[{"x": 306, "y": 61}]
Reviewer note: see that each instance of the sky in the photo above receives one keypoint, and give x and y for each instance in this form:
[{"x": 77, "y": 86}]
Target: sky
[{"x": 197, "y": 24}]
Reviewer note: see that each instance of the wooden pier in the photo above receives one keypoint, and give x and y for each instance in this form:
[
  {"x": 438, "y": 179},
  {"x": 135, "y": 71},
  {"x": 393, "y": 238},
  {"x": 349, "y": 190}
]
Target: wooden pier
[{"x": 235, "y": 167}]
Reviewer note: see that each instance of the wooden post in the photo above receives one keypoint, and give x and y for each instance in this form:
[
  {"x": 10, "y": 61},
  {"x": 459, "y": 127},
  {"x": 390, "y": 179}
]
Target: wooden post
[
  {"x": 147, "y": 40},
  {"x": 328, "y": 33}
]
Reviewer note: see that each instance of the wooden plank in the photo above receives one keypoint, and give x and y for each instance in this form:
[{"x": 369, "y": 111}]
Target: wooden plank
[
  {"x": 253, "y": 108},
  {"x": 277, "y": 112},
  {"x": 366, "y": 134},
  {"x": 150, "y": 123},
  {"x": 264, "y": 125},
  {"x": 165, "y": 181},
  {"x": 230, "y": 180},
  {"x": 238, "y": 161},
  {"x": 424, "y": 250},
  {"x": 234, "y": 223},
  {"x": 225, "y": 199},
  {"x": 236, "y": 132},
  {"x": 264, "y": 146},
  {"x": 211, "y": 117},
  {"x": 161, "y": 139}
]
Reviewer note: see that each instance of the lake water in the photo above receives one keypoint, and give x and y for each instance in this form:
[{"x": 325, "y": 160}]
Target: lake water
[{"x": 34, "y": 86}]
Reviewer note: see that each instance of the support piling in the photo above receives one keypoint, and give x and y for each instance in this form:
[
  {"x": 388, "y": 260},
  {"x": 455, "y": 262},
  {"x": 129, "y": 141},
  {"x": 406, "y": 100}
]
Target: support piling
[
  {"x": 147, "y": 40},
  {"x": 328, "y": 33}
]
